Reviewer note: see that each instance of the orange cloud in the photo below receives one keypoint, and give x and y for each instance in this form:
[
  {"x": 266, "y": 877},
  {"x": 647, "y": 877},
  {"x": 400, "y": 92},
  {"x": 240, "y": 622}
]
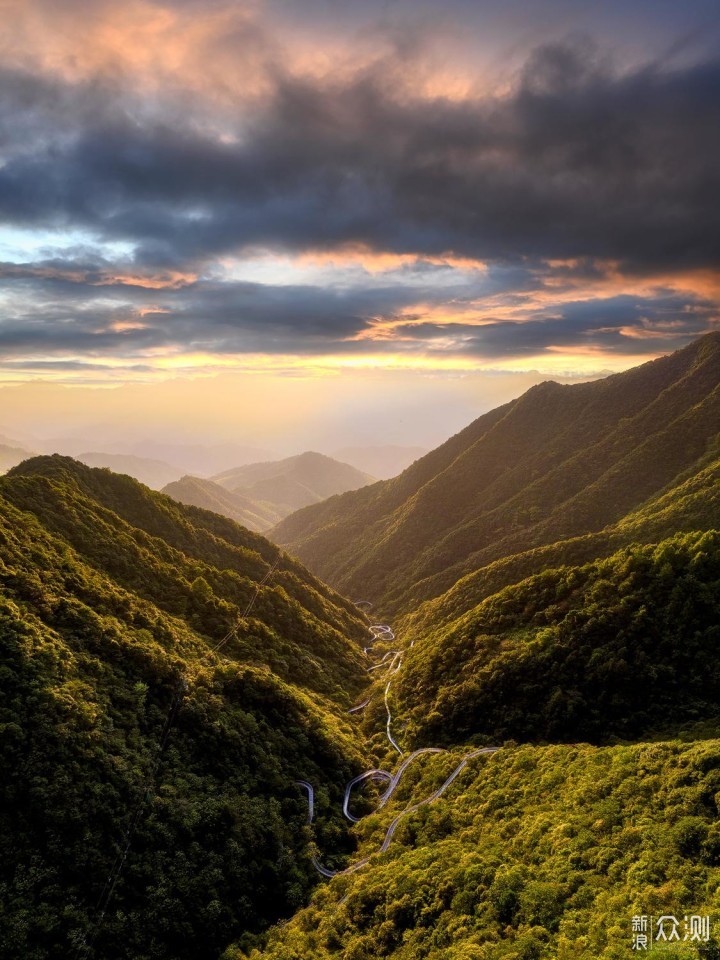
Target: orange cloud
[
  {"x": 570, "y": 279},
  {"x": 144, "y": 45},
  {"x": 170, "y": 280},
  {"x": 382, "y": 261}
]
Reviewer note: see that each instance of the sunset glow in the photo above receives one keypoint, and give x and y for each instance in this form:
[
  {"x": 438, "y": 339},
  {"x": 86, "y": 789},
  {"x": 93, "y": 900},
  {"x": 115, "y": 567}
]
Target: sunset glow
[{"x": 191, "y": 191}]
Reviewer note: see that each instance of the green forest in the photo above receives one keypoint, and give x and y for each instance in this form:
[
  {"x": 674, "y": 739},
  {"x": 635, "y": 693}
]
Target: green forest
[
  {"x": 543, "y": 852},
  {"x": 113, "y": 601}
]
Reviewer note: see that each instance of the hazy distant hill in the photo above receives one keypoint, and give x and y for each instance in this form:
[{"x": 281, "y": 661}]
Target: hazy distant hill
[
  {"x": 198, "y": 459},
  {"x": 9, "y": 441},
  {"x": 11, "y": 455},
  {"x": 294, "y": 482},
  {"x": 558, "y": 463},
  {"x": 209, "y": 495},
  {"x": 382, "y": 462},
  {"x": 137, "y": 729},
  {"x": 153, "y": 473}
]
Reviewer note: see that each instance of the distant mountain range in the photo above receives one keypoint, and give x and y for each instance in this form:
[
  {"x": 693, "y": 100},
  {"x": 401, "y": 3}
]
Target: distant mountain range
[
  {"x": 195, "y": 459},
  {"x": 259, "y": 494},
  {"x": 295, "y": 481},
  {"x": 254, "y": 514},
  {"x": 11, "y": 455},
  {"x": 153, "y": 473},
  {"x": 200, "y": 459}
]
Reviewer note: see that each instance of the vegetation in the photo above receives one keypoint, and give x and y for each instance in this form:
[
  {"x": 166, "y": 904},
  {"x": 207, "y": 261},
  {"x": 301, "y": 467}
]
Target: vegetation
[
  {"x": 535, "y": 853},
  {"x": 167, "y": 674},
  {"x": 691, "y": 503},
  {"x": 108, "y": 633},
  {"x": 617, "y": 648},
  {"x": 556, "y": 464}
]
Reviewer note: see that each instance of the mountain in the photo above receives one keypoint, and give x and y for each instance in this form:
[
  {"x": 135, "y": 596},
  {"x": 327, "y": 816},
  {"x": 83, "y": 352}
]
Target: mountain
[
  {"x": 546, "y": 708},
  {"x": 560, "y": 644},
  {"x": 166, "y": 676},
  {"x": 587, "y": 653},
  {"x": 11, "y": 455},
  {"x": 690, "y": 503},
  {"x": 382, "y": 462},
  {"x": 556, "y": 464},
  {"x": 199, "y": 459},
  {"x": 10, "y": 441},
  {"x": 294, "y": 482},
  {"x": 253, "y": 514},
  {"x": 153, "y": 473}
]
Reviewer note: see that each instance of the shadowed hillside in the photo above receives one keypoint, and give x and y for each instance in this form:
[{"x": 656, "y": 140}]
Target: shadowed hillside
[{"x": 166, "y": 676}]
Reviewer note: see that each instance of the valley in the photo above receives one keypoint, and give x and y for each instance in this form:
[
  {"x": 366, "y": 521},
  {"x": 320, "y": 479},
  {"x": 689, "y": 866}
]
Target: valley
[{"x": 213, "y": 754}]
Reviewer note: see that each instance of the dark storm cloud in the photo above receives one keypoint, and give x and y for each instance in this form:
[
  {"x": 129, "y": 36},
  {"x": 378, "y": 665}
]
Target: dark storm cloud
[
  {"x": 581, "y": 173},
  {"x": 577, "y": 162}
]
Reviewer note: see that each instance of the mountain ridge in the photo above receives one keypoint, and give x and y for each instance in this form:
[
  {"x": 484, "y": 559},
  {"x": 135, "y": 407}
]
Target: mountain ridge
[{"x": 518, "y": 477}]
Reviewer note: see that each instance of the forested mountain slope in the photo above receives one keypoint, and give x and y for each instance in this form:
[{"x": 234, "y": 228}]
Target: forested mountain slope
[
  {"x": 539, "y": 853},
  {"x": 138, "y": 729},
  {"x": 558, "y": 463},
  {"x": 622, "y": 647},
  {"x": 168, "y": 675},
  {"x": 692, "y": 503},
  {"x": 546, "y": 852}
]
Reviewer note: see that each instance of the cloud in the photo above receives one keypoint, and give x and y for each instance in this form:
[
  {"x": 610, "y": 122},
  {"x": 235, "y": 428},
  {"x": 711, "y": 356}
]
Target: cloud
[
  {"x": 577, "y": 161},
  {"x": 616, "y": 325},
  {"x": 56, "y": 309},
  {"x": 578, "y": 172}
]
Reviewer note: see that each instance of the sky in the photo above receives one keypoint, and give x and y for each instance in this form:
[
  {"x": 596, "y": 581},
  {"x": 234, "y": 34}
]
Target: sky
[{"x": 237, "y": 218}]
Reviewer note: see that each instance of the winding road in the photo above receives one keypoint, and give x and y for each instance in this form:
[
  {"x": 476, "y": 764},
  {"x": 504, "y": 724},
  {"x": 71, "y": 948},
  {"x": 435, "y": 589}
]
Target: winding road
[
  {"x": 384, "y": 631},
  {"x": 390, "y": 832},
  {"x": 368, "y": 775}
]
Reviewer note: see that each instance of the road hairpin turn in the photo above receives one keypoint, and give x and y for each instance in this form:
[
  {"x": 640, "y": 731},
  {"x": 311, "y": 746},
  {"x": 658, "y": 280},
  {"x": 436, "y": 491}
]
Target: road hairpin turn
[{"x": 383, "y": 631}]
